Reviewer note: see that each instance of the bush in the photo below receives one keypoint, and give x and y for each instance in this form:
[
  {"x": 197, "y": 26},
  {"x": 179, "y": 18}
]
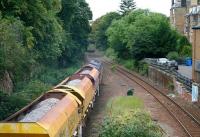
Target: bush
[
  {"x": 111, "y": 54},
  {"x": 129, "y": 63},
  {"x": 43, "y": 79},
  {"x": 143, "y": 68},
  {"x": 33, "y": 89},
  {"x": 173, "y": 55},
  {"x": 10, "y": 104},
  {"x": 132, "y": 124},
  {"x": 125, "y": 118},
  {"x": 186, "y": 51}
]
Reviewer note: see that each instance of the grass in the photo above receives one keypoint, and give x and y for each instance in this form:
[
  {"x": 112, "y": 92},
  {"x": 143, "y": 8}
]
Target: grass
[{"x": 124, "y": 104}]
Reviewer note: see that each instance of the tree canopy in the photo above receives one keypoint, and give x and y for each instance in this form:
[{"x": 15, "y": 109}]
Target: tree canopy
[
  {"x": 42, "y": 32},
  {"x": 99, "y": 27},
  {"x": 138, "y": 34},
  {"x": 142, "y": 34},
  {"x": 38, "y": 40}
]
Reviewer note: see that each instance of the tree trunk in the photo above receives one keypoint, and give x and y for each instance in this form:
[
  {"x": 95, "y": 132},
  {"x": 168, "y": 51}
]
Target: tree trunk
[{"x": 6, "y": 83}]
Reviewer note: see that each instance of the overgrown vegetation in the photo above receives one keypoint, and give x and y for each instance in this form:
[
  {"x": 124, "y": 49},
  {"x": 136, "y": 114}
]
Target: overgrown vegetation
[
  {"x": 26, "y": 91},
  {"x": 125, "y": 118},
  {"x": 37, "y": 32},
  {"x": 40, "y": 43}
]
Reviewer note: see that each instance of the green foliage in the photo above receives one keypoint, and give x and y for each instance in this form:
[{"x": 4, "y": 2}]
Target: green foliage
[
  {"x": 43, "y": 79},
  {"x": 171, "y": 86},
  {"x": 38, "y": 40},
  {"x": 14, "y": 56},
  {"x": 77, "y": 29},
  {"x": 141, "y": 34},
  {"x": 129, "y": 64},
  {"x": 122, "y": 104},
  {"x": 111, "y": 54},
  {"x": 99, "y": 27},
  {"x": 113, "y": 67},
  {"x": 126, "y": 6},
  {"x": 10, "y": 104},
  {"x": 143, "y": 68},
  {"x": 186, "y": 51},
  {"x": 126, "y": 119},
  {"x": 133, "y": 124},
  {"x": 33, "y": 90},
  {"x": 41, "y": 32},
  {"x": 173, "y": 55},
  {"x": 181, "y": 42}
]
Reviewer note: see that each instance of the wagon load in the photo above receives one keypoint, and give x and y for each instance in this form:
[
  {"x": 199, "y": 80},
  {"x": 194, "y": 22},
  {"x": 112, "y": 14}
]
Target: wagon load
[{"x": 39, "y": 110}]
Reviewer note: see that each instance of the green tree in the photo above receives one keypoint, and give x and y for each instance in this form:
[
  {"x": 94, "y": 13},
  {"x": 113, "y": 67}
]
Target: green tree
[
  {"x": 77, "y": 29},
  {"x": 142, "y": 34},
  {"x": 99, "y": 28},
  {"x": 14, "y": 56},
  {"x": 127, "y": 6},
  {"x": 41, "y": 17}
]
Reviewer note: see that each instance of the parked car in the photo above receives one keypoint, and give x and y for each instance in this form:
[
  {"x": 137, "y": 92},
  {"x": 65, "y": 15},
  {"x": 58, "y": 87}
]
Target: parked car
[
  {"x": 172, "y": 64},
  {"x": 162, "y": 61}
]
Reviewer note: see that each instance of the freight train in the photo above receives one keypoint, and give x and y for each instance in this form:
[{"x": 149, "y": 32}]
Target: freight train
[{"x": 61, "y": 111}]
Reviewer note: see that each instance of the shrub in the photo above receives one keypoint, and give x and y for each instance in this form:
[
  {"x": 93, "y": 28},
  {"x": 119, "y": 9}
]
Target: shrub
[
  {"x": 186, "y": 51},
  {"x": 173, "y": 55},
  {"x": 171, "y": 86},
  {"x": 42, "y": 80},
  {"x": 125, "y": 118},
  {"x": 10, "y": 104},
  {"x": 143, "y": 68},
  {"x": 111, "y": 54},
  {"x": 132, "y": 124},
  {"x": 129, "y": 63},
  {"x": 33, "y": 90}
]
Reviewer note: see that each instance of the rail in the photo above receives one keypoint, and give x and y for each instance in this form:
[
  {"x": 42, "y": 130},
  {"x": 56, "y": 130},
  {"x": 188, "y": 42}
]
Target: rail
[{"x": 187, "y": 121}]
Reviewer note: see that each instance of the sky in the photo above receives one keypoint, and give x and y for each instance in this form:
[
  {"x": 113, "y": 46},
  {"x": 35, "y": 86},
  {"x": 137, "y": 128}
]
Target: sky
[{"x": 101, "y": 7}]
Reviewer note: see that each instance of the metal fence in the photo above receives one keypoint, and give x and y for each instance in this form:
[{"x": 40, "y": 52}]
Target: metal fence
[{"x": 187, "y": 82}]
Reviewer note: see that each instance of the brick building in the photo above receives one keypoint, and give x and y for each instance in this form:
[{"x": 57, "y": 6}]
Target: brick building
[
  {"x": 177, "y": 14},
  {"x": 192, "y": 19},
  {"x": 185, "y": 17}
]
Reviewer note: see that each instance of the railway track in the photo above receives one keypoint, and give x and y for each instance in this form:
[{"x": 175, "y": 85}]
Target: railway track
[{"x": 187, "y": 121}]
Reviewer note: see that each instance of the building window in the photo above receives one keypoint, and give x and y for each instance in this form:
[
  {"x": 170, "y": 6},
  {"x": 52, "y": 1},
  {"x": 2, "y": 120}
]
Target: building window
[
  {"x": 183, "y": 3},
  {"x": 195, "y": 18}
]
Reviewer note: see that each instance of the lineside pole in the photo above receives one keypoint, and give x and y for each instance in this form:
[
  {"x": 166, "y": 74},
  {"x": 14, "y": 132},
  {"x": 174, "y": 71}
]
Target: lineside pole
[{"x": 80, "y": 131}]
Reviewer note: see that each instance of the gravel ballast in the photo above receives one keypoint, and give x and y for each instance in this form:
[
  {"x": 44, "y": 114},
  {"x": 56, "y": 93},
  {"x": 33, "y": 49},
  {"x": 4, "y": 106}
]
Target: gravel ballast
[
  {"x": 39, "y": 110},
  {"x": 74, "y": 82}
]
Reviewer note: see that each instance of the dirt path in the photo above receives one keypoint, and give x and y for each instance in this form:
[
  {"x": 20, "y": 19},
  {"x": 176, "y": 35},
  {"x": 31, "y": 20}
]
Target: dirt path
[{"x": 115, "y": 84}]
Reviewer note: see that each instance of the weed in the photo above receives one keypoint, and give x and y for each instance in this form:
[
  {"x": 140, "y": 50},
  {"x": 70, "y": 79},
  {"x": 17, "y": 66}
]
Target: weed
[{"x": 113, "y": 67}]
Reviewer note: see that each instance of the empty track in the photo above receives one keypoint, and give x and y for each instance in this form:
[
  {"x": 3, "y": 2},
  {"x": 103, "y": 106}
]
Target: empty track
[{"x": 187, "y": 121}]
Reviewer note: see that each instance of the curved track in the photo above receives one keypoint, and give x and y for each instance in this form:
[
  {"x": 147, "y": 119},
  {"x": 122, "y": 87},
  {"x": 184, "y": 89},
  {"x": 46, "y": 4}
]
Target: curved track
[{"x": 187, "y": 121}]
